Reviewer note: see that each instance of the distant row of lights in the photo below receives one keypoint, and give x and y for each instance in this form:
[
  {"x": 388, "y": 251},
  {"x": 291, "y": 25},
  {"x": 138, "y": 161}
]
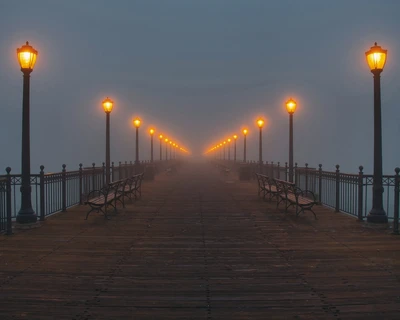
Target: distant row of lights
[
  {"x": 108, "y": 106},
  {"x": 290, "y": 107}
]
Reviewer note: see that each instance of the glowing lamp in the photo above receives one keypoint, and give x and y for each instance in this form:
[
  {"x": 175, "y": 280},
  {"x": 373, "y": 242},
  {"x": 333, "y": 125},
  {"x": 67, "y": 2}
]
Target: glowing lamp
[
  {"x": 27, "y": 57},
  {"x": 235, "y": 137},
  {"x": 229, "y": 140},
  {"x": 166, "y": 140},
  {"x": 291, "y": 106},
  {"x": 245, "y": 131},
  {"x": 137, "y": 122},
  {"x": 151, "y": 131},
  {"x": 260, "y": 123},
  {"x": 108, "y": 105},
  {"x": 376, "y": 58},
  {"x": 160, "y": 136}
]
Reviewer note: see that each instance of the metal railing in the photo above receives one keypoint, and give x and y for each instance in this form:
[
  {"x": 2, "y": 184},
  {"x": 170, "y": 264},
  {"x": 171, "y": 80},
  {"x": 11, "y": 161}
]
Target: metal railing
[
  {"x": 55, "y": 192},
  {"x": 348, "y": 193}
]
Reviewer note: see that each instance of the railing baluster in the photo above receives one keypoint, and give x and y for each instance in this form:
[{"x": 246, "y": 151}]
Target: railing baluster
[
  {"x": 320, "y": 183},
  {"x": 64, "y": 189},
  {"x": 337, "y": 192},
  {"x": 8, "y": 201},
  {"x": 396, "y": 202},
  {"x": 360, "y": 193},
  {"x": 42, "y": 194}
]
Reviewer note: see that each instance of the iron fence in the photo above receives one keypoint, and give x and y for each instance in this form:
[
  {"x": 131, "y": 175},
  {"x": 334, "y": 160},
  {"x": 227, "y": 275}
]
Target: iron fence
[
  {"x": 55, "y": 192},
  {"x": 349, "y": 193}
]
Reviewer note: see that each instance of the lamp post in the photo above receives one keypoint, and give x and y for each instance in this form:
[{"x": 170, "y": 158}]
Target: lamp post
[
  {"x": 166, "y": 149},
  {"x": 170, "y": 149},
  {"x": 224, "y": 149},
  {"x": 220, "y": 152},
  {"x": 161, "y": 138},
  {"x": 173, "y": 145},
  {"x": 260, "y": 124},
  {"x": 108, "y": 106},
  {"x": 27, "y": 58},
  {"x": 376, "y": 59},
  {"x": 229, "y": 149},
  {"x": 137, "y": 123},
  {"x": 151, "y": 131},
  {"x": 234, "y": 152},
  {"x": 245, "y": 132},
  {"x": 291, "y": 108}
]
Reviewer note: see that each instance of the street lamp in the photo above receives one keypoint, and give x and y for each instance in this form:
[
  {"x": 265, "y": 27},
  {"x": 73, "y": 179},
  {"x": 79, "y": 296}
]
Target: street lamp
[
  {"x": 151, "y": 131},
  {"x": 260, "y": 124},
  {"x": 245, "y": 132},
  {"x": 108, "y": 106},
  {"x": 161, "y": 138},
  {"x": 136, "y": 123},
  {"x": 170, "y": 149},
  {"x": 234, "y": 153},
  {"x": 229, "y": 148},
  {"x": 291, "y": 108},
  {"x": 224, "y": 148},
  {"x": 166, "y": 149},
  {"x": 26, "y": 57},
  {"x": 376, "y": 59}
]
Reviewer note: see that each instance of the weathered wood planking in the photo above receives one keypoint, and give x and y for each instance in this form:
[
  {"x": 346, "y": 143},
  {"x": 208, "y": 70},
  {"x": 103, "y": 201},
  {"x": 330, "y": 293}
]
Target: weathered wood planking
[{"x": 200, "y": 245}]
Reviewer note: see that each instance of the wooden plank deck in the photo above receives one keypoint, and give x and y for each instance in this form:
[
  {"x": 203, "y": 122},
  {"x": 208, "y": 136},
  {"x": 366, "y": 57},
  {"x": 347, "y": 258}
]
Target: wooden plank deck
[{"x": 200, "y": 245}]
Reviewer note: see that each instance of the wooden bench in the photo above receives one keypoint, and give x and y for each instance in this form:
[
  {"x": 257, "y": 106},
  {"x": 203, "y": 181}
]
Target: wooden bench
[
  {"x": 105, "y": 197},
  {"x": 293, "y": 196},
  {"x": 266, "y": 186},
  {"x": 133, "y": 187}
]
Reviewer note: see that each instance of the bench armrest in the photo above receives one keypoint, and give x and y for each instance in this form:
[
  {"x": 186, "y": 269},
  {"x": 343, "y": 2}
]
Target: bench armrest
[
  {"x": 307, "y": 194},
  {"x": 95, "y": 193}
]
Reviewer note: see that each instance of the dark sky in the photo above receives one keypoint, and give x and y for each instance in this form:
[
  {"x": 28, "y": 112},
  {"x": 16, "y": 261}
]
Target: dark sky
[{"x": 199, "y": 71}]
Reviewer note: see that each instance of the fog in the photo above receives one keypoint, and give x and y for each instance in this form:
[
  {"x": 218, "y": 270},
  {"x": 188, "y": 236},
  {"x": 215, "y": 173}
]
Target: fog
[{"x": 199, "y": 71}]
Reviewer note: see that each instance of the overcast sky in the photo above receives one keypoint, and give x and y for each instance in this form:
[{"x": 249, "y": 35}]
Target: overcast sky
[{"x": 199, "y": 71}]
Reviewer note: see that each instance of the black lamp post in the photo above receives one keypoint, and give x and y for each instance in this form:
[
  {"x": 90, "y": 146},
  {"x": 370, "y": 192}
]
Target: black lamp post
[
  {"x": 170, "y": 149},
  {"x": 151, "y": 145},
  {"x": 260, "y": 124},
  {"x": 376, "y": 59},
  {"x": 108, "y": 106},
  {"x": 224, "y": 150},
  {"x": 26, "y": 57},
  {"x": 161, "y": 138},
  {"x": 137, "y": 123},
  {"x": 291, "y": 107},
  {"x": 245, "y": 131},
  {"x": 229, "y": 149},
  {"x": 166, "y": 149},
  {"x": 234, "y": 152}
]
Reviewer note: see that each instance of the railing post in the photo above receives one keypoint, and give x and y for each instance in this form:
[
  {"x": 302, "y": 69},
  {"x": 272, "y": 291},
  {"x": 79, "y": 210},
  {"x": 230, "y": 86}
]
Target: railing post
[
  {"x": 266, "y": 171},
  {"x": 286, "y": 168},
  {"x": 80, "y": 184},
  {"x": 104, "y": 174},
  {"x": 306, "y": 176},
  {"x": 8, "y": 201},
  {"x": 320, "y": 184},
  {"x": 396, "y": 202},
  {"x": 279, "y": 170},
  {"x": 120, "y": 171},
  {"x": 337, "y": 205},
  {"x": 272, "y": 170},
  {"x": 126, "y": 169},
  {"x": 93, "y": 177},
  {"x": 130, "y": 170},
  {"x": 64, "y": 189},
  {"x": 295, "y": 173},
  {"x": 360, "y": 193},
  {"x": 41, "y": 188},
  {"x": 112, "y": 171}
]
